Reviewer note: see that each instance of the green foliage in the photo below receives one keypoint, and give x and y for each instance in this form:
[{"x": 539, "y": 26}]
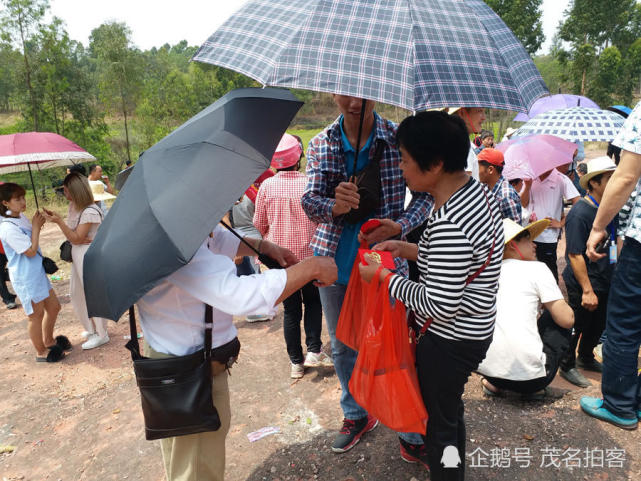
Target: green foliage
[
  {"x": 608, "y": 71},
  {"x": 524, "y": 19}
]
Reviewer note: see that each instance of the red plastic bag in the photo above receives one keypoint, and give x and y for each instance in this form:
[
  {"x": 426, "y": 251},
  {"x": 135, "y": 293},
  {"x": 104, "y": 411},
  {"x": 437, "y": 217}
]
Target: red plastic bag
[
  {"x": 384, "y": 380},
  {"x": 350, "y": 321}
]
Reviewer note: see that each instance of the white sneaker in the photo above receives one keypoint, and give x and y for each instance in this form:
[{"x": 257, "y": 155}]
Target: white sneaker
[
  {"x": 87, "y": 334},
  {"x": 313, "y": 359},
  {"x": 94, "y": 341},
  {"x": 258, "y": 318},
  {"x": 298, "y": 370},
  {"x": 598, "y": 352}
]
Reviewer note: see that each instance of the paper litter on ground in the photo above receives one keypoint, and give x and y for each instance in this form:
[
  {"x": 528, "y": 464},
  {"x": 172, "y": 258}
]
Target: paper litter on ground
[{"x": 261, "y": 433}]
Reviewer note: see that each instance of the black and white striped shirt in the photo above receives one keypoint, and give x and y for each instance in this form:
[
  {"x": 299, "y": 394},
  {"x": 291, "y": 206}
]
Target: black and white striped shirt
[{"x": 455, "y": 244}]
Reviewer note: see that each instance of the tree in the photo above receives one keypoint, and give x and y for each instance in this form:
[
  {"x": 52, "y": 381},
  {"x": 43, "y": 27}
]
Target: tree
[
  {"x": 524, "y": 19},
  {"x": 20, "y": 21},
  {"x": 119, "y": 68},
  {"x": 608, "y": 72},
  {"x": 9, "y": 81}
]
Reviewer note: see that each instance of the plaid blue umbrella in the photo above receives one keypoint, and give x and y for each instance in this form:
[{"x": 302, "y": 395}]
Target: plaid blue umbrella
[
  {"x": 575, "y": 124},
  {"x": 414, "y": 54}
]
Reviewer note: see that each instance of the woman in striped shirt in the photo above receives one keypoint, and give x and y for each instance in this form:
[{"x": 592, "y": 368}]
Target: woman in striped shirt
[{"x": 459, "y": 259}]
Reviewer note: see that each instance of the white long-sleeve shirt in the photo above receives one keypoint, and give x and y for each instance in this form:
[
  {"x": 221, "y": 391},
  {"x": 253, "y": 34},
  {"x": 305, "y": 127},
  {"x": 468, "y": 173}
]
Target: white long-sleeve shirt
[{"x": 172, "y": 313}]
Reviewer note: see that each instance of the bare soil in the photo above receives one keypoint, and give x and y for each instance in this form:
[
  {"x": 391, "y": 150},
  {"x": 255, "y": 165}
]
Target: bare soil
[{"x": 81, "y": 419}]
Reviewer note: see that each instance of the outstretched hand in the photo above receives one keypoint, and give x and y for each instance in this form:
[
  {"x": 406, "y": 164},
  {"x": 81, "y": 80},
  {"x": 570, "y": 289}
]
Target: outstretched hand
[{"x": 283, "y": 256}]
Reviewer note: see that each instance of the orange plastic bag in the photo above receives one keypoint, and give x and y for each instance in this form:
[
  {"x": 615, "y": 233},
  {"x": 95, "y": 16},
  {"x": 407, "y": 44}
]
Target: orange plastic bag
[
  {"x": 384, "y": 380},
  {"x": 350, "y": 321}
]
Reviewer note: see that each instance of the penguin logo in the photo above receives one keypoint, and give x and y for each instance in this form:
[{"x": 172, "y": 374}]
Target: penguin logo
[{"x": 451, "y": 458}]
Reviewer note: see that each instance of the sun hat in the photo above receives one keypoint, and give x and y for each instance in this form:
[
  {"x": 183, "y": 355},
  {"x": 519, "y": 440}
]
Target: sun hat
[
  {"x": 595, "y": 167},
  {"x": 510, "y": 131},
  {"x": 98, "y": 191},
  {"x": 511, "y": 229},
  {"x": 287, "y": 153},
  {"x": 491, "y": 156}
]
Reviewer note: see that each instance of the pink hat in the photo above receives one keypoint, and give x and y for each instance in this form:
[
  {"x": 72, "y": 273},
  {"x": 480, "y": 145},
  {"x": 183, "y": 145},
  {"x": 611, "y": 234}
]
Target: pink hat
[{"x": 287, "y": 153}]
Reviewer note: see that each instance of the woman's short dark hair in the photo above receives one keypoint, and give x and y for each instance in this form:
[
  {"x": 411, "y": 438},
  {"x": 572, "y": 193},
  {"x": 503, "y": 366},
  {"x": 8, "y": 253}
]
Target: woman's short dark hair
[
  {"x": 7, "y": 192},
  {"x": 430, "y": 137},
  {"x": 597, "y": 178}
]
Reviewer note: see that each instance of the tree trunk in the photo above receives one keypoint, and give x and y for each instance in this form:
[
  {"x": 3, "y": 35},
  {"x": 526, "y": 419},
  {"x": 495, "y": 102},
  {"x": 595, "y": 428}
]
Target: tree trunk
[
  {"x": 28, "y": 74},
  {"x": 583, "y": 82},
  {"x": 124, "y": 112}
]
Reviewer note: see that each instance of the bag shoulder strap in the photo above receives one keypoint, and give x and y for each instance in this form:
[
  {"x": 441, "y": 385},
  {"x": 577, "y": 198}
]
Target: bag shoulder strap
[{"x": 134, "y": 346}]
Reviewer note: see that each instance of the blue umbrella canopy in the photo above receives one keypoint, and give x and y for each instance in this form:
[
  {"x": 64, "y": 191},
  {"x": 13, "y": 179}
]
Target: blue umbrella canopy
[
  {"x": 410, "y": 53},
  {"x": 178, "y": 191},
  {"x": 576, "y": 124}
]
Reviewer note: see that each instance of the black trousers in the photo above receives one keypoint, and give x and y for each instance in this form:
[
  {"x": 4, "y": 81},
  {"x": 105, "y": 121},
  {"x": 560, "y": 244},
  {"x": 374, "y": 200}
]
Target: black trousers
[
  {"x": 588, "y": 327},
  {"x": 546, "y": 253},
  {"x": 555, "y": 346},
  {"x": 313, "y": 322},
  {"x": 7, "y": 297},
  {"x": 443, "y": 368}
]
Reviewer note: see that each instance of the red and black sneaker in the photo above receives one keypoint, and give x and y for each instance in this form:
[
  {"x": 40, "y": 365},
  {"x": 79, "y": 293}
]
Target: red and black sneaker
[
  {"x": 414, "y": 453},
  {"x": 352, "y": 431}
]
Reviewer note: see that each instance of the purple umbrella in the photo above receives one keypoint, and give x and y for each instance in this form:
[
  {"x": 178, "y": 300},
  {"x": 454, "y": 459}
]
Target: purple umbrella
[
  {"x": 553, "y": 102},
  {"x": 540, "y": 152}
]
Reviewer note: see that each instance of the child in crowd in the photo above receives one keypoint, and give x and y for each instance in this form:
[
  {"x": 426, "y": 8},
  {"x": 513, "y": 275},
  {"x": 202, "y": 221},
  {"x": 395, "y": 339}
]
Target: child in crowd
[{"x": 20, "y": 239}]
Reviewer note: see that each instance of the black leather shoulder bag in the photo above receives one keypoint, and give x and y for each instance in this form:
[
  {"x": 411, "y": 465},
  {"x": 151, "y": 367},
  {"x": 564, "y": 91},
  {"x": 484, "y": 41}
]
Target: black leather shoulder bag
[
  {"x": 368, "y": 181},
  {"x": 175, "y": 392}
]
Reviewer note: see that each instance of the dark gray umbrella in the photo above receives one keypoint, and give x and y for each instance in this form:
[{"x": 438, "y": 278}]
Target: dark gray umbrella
[{"x": 178, "y": 191}]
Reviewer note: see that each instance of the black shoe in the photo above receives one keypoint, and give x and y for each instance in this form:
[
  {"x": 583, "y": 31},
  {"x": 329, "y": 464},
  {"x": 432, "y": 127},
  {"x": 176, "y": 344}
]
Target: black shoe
[
  {"x": 575, "y": 377},
  {"x": 590, "y": 365},
  {"x": 11, "y": 305},
  {"x": 351, "y": 433},
  {"x": 414, "y": 453}
]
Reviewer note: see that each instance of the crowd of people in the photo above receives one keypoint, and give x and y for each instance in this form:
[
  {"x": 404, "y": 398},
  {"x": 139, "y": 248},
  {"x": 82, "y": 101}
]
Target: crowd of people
[{"x": 475, "y": 255}]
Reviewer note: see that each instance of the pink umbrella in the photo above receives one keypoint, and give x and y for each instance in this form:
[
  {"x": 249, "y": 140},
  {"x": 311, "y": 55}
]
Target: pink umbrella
[
  {"x": 540, "y": 152},
  {"x": 44, "y": 149}
]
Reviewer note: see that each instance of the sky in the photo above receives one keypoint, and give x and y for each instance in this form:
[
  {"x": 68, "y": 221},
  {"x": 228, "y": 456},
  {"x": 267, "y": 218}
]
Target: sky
[{"x": 156, "y": 22}]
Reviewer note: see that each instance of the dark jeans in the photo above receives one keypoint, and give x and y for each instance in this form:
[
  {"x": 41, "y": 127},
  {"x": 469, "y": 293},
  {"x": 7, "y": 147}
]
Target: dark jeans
[
  {"x": 546, "y": 253},
  {"x": 313, "y": 322},
  {"x": 443, "y": 367},
  {"x": 7, "y": 297},
  {"x": 621, "y": 383},
  {"x": 588, "y": 326},
  {"x": 555, "y": 345}
]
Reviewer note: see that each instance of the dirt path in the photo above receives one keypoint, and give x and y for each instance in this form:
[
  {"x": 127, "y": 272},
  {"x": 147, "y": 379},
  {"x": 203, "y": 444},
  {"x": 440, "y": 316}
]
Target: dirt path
[{"x": 81, "y": 420}]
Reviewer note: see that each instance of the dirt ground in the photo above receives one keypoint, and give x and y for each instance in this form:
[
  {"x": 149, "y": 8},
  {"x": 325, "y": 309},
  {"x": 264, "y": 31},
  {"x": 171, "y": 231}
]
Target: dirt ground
[{"x": 81, "y": 419}]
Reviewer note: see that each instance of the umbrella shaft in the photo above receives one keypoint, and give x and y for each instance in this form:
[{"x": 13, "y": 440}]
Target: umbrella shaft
[
  {"x": 358, "y": 140},
  {"x": 33, "y": 186}
]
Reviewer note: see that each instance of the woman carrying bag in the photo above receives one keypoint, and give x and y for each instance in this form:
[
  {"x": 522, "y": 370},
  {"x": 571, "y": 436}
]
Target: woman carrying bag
[
  {"x": 83, "y": 219},
  {"x": 28, "y": 278},
  {"x": 454, "y": 301}
]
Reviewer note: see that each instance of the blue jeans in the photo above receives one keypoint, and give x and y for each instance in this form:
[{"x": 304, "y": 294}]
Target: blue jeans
[
  {"x": 621, "y": 383},
  {"x": 345, "y": 357}
]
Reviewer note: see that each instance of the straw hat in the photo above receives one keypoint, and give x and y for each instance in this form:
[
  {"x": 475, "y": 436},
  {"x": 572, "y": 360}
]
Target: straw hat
[
  {"x": 510, "y": 131},
  {"x": 98, "y": 191},
  {"x": 595, "y": 167},
  {"x": 511, "y": 229}
]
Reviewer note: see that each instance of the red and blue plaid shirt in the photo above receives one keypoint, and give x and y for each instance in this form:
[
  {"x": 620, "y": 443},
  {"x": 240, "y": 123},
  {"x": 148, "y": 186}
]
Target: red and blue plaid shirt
[{"x": 326, "y": 169}]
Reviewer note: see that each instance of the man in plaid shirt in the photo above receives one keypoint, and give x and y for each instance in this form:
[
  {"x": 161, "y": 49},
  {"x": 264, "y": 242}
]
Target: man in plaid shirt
[
  {"x": 280, "y": 219},
  {"x": 491, "y": 165},
  {"x": 328, "y": 197}
]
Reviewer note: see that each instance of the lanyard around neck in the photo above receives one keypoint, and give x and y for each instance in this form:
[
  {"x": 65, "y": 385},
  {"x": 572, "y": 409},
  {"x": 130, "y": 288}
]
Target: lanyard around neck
[{"x": 611, "y": 224}]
